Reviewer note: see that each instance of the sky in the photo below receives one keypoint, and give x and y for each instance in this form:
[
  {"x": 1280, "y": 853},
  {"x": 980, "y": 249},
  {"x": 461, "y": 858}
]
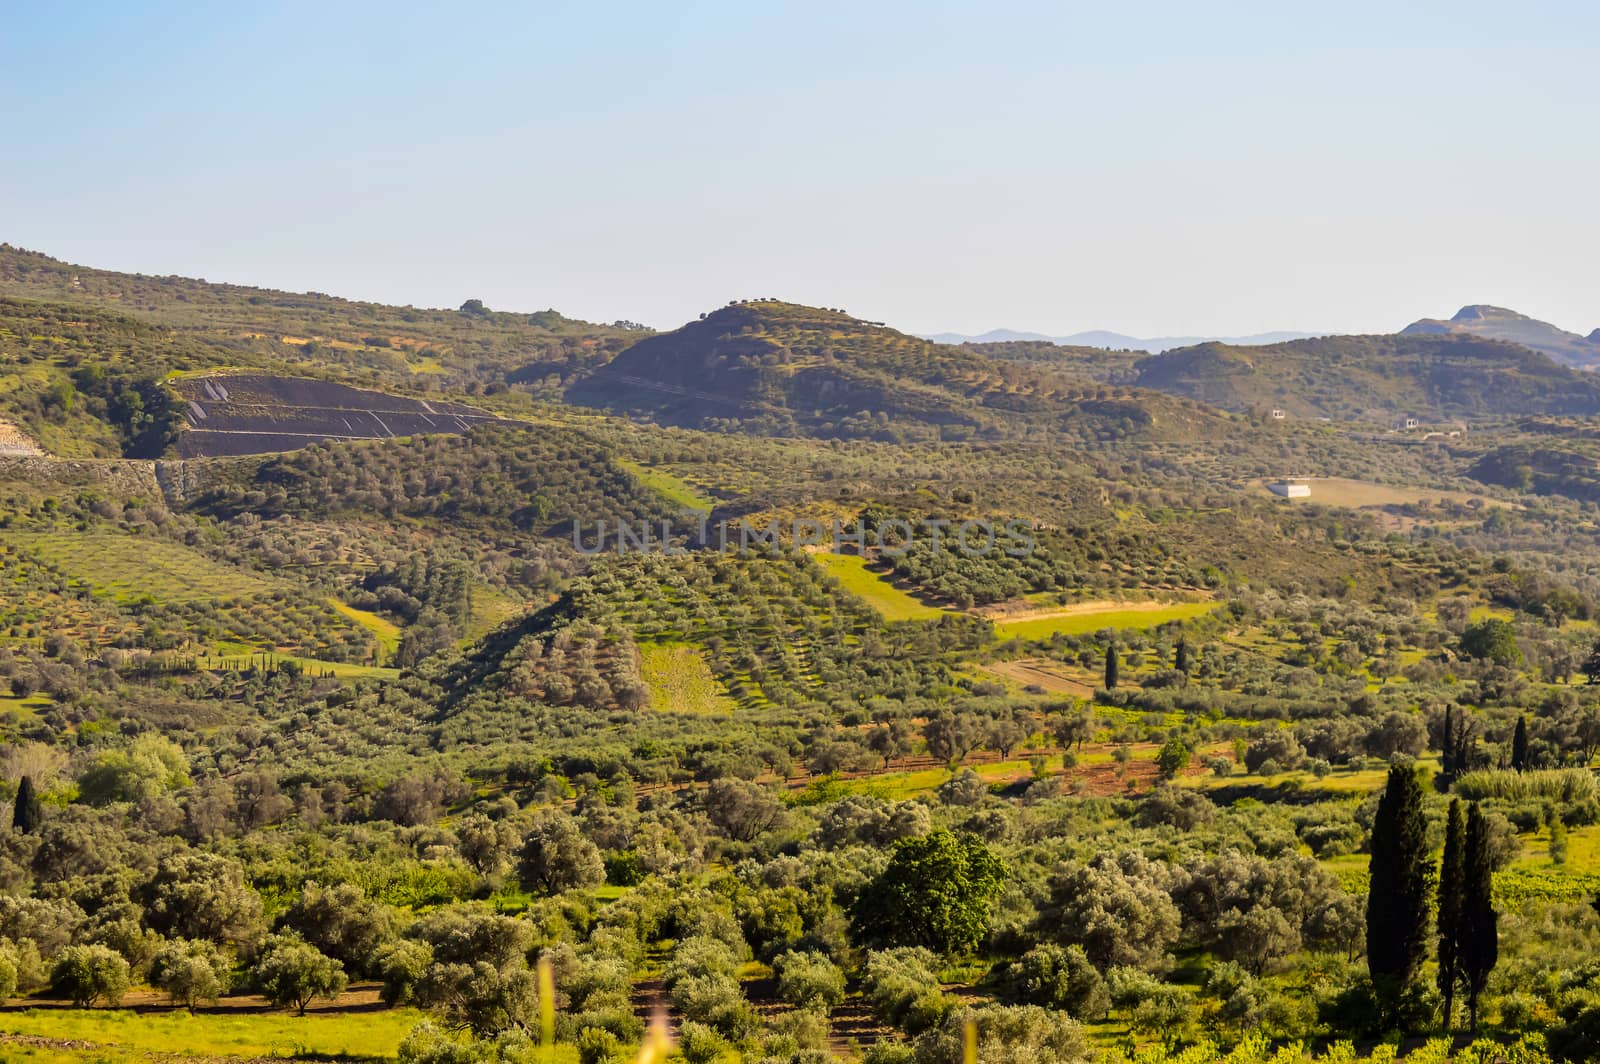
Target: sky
[{"x": 1151, "y": 168}]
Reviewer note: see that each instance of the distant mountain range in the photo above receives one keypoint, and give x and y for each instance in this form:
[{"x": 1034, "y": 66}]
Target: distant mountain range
[
  {"x": 1498, "y": 323},
  {"x": 1115, "y": 341}
]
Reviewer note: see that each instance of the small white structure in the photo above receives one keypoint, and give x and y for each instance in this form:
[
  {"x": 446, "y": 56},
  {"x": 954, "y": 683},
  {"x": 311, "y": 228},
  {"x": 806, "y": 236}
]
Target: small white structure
[
  {"x": 1277, "y": 415},
  {"x": 1408, "y": 423},
  {"x": 1290, "y": 488}
]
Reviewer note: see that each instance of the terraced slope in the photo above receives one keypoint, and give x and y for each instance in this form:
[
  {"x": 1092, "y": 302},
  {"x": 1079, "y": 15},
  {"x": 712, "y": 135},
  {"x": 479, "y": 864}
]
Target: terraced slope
[{"x": 236, "y": 414}]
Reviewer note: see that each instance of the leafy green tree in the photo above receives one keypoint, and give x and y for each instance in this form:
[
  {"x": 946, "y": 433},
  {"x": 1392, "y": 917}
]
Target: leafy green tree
[
  {"x": 951, "y": 736},
  {"x": 482, "y": 997},
  {"x": 199, "y": 895},
  {"x": 401, "y": 965},
  {"x": 556, "y": 856},
  {"x": 27, "y": 811},
  {"x": 8, "y": 972},
  {"x": 742, "y": 810},
  {"x": 291, "y": 971},
  {"x": 1452, "y": 885},
  {"x": 191, "y": 972},
  {"x": 1173, "y": 758},
  {"x": 87, "y": 974},
  {"x": 1117, "y": 907},
  {"x": 151, "y": 765},
  {"x": 1479, "y": 922},
  {"x": 1074, "y": 727},
  {"x": 936, "y": 892},
  {"x": 1591, "y": 665},
  {"x": 1398, "y": 900},
  {"x": 341, "y": 922},
  {"x": 1493, "y": 640}
]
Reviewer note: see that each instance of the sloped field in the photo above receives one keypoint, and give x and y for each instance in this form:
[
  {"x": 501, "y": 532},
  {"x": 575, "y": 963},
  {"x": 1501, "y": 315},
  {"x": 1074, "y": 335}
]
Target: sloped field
[{"x": 235, "y": 414}]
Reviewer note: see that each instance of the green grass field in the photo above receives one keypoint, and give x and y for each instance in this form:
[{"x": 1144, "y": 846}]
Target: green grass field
[
  {"x": 1108, "y": 615},
  {"x": 128, "y": 568},
  {"x": 129, "y": 1035},
  {"x": 385, "y": 631},
  {"x": 675, "y": 490},
  {"x": 680, "y": 681},
  {"x": 236, "y": 656},
  {"x": 895, "y": 605}
]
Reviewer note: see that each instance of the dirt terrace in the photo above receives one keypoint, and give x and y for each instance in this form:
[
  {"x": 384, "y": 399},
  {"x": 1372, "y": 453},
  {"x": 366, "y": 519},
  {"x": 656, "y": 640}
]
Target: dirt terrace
[{"x": 235, "y": 414}]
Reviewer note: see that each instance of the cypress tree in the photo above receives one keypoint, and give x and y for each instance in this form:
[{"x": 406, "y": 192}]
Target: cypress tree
[
  {"x": 26, "y": 813},
  {"x": 1452, "y": 872},
  {"x": 1111, "y": 667},
  {"x": 1519, "y": 745},
  {"x": 1447, "y": 747},
  {"x": 1399, "y": 899},
  {"x": 1480, "y": 924},
  {"x": 1181, "y": 661}
]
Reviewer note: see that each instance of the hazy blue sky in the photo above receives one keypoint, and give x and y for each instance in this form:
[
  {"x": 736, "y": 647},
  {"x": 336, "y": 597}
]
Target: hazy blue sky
[{"x": 1150, "y": 168}]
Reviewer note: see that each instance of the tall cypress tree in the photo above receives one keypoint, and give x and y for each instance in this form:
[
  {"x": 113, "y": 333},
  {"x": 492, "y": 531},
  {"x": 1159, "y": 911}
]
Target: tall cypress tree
[
  {"x": 1447, "y": 746},
  {"x": 1111, "y": 667},
  {"x": 1399, "y": 898},
  {"x": 25, "y": 814},
  {"x": 1519, "y": 745},
  {"x": 1181, "y": 662},
  {"x": 1452, "y": 874},
  {"x": 1480, "y": 924}
]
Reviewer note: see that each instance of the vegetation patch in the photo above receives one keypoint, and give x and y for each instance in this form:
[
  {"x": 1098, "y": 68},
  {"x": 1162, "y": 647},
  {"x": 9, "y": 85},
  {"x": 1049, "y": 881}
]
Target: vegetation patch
[
  {"x": 680, "y": 681},
  {"x": 874, "y": 588}
]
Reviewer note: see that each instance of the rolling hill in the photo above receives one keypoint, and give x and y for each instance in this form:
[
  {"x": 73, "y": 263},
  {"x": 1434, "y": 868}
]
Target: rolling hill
[
  {"x": 1106, "y": 340},
  {"x": 775, "y": 368},
  {"x": 1498, "y": 323},
  {"x": 1375, "y": 378}
]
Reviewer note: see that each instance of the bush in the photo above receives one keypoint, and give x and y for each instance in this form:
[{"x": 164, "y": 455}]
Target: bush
[
  {"x": 1058, "y": 978},
  {"x": 599, "y": 1046},
  {"x": 902, "y": 985},
  {"x": 1007, "y": 1034},
  {"x": 809, "y": 981}
]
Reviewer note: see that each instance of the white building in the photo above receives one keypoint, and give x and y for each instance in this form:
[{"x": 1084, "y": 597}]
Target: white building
[{"x": 1290, "y": 489}]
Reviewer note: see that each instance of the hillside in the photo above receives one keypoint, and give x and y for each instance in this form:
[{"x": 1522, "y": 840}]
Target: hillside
[
  {"x": 775, "y": 368},
  {"x": 1498, "y": 323},
  {"x": 1375, "y": 378},
  {"x": 306, "y": 334},
  {"x": 253, "y": 413}
]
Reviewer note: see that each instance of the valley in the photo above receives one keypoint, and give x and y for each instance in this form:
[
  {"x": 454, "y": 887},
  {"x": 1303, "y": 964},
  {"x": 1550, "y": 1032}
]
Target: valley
[{"x": 323, "y": 740}]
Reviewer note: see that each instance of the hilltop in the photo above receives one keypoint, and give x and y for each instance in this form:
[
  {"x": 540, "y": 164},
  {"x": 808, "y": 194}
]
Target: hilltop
[
  {"x": 775, "y": 368},
  {"x": 1498, "y": 323},
  {"x": 374, "y": 344},
  {"x": 1375, "y": 378}
]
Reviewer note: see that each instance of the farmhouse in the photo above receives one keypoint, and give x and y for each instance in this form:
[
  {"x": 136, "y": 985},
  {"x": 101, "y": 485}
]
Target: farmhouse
[{"x": 1290, "y": 488}]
